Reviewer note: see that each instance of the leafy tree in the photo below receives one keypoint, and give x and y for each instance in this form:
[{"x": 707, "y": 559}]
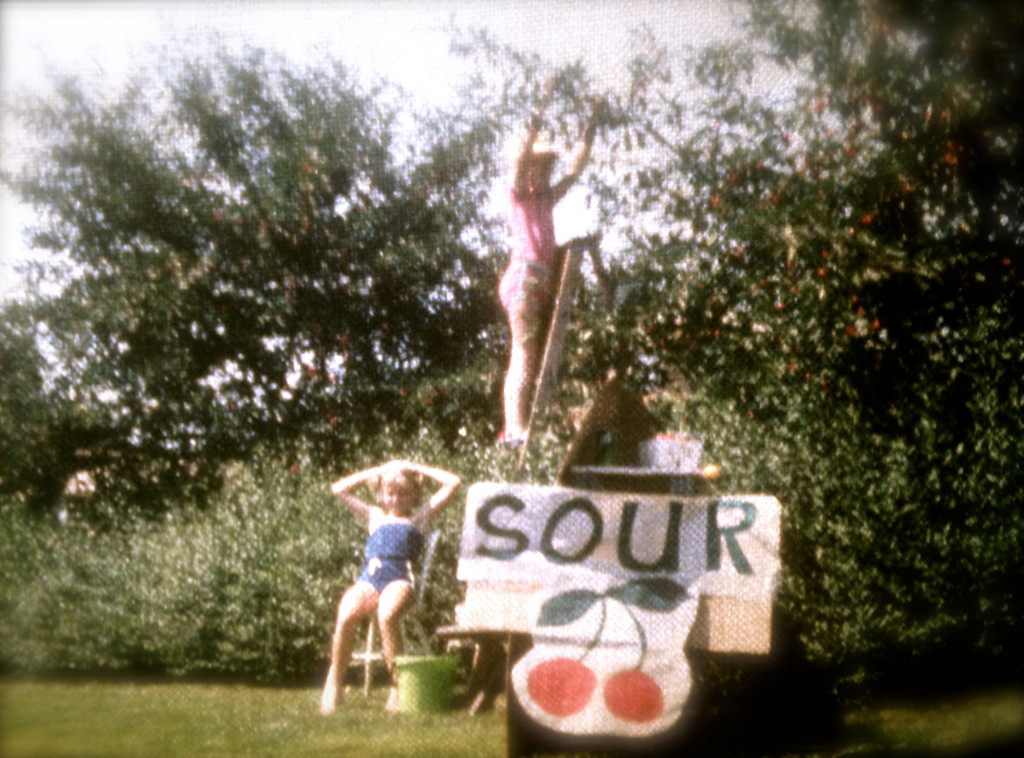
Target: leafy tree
[
  {"x": 844, "y": 299},
  {"x": 822, "y": 277},
  {"x": 28, "y": 420},
  {"x": 254, "y": 257}
]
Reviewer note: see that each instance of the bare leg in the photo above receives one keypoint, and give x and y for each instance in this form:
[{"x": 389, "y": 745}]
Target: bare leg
[
  {"x": 394, "y": 602},
  {"x": 524, "y": 323},
  {"x": 358, "y": 601}
]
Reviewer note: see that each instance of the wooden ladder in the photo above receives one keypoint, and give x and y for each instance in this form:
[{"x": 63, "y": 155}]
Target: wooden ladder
[{"x": 561, "y": 310}]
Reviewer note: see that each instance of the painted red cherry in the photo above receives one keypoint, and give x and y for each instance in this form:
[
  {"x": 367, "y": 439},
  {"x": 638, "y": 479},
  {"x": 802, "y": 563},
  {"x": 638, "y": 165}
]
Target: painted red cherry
[
  {"x": 634, "y": 696},
  {"x": 561, "y": 686}
]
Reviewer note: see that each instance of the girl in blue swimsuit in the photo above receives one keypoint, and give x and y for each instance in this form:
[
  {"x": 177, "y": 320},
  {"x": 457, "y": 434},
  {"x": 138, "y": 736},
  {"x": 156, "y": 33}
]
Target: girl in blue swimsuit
[{"x": 396, "y": 529}]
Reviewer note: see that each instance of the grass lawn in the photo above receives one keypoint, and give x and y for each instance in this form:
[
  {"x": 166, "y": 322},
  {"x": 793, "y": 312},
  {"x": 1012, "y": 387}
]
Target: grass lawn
[
  {"x": 111, "y": 720},
  {"x": 118, "y": 719}
]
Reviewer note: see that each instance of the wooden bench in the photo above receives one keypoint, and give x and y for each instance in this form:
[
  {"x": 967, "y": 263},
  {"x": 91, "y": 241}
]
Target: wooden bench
[{"x": 495, "y": 652}]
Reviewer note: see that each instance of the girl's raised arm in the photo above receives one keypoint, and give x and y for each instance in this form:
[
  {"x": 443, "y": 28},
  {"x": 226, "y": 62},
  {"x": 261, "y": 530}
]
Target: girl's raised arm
[
  {"x": 519, "y": 181},
  {"x": 448, "y": 482},
  {"x": 343, "y": 489},
  {"x": 579, "y": 160}
]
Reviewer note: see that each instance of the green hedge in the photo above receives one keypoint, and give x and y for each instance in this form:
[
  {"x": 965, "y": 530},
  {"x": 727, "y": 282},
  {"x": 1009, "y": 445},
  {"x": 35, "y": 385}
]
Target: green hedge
[
  {"x": 243, "y": 588},
  {"x": 248, "y": 587},
  {"x": 901, "y": 556}
]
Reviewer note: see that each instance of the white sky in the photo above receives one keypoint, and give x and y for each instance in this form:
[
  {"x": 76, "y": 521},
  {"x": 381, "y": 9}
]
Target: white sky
[{"x": 402, "y": 40}]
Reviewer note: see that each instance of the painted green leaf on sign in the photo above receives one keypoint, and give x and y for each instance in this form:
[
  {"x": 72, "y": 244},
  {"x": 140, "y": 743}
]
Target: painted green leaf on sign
[
  {"x": 653, "y": 594},
  {"x": 566, "y": 607}
]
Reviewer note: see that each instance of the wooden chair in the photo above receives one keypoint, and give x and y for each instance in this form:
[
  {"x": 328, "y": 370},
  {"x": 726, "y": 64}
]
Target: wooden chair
[{"x": 372, "y": 652}]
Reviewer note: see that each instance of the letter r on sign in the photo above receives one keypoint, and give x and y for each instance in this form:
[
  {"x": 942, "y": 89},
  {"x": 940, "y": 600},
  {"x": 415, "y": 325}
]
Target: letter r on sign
[{"x": 717, "y": 534}]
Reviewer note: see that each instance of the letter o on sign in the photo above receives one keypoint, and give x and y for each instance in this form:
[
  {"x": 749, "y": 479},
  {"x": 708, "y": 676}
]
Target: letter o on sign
[{"x": 576, "y": 505}]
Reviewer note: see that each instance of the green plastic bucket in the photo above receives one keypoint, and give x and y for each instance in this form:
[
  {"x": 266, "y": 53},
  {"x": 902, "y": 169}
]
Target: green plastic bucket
[{"x": 425, "y": 682}]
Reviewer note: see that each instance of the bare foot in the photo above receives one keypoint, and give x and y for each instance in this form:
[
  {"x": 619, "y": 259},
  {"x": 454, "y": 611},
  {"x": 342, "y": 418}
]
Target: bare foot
[
  {"x": 329, "y": 698},
  {"x": 393, "y": 705}
]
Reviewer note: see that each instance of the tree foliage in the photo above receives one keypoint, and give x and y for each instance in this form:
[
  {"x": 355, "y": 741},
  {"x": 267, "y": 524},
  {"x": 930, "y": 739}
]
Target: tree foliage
[
  {"x": 834, "y": 292},
  {"x": 821, "y": 275},
  {"x": 254, "y": 257}
]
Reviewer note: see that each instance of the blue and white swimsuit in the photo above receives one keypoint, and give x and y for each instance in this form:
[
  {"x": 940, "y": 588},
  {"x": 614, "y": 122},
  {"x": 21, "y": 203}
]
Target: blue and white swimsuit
[{"x": 390, "y": 551}]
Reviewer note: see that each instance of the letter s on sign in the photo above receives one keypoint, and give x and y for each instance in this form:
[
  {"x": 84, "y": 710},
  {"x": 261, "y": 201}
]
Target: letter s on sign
[{"x": 483, "y": 521}]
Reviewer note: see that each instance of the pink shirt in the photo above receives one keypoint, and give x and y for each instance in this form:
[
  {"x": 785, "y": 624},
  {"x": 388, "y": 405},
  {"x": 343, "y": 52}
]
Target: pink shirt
[{"x": 532, "y": 226}]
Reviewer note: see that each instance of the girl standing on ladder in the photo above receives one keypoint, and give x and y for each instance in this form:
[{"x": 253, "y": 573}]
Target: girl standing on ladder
[{"x": 528, "y": 284}]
